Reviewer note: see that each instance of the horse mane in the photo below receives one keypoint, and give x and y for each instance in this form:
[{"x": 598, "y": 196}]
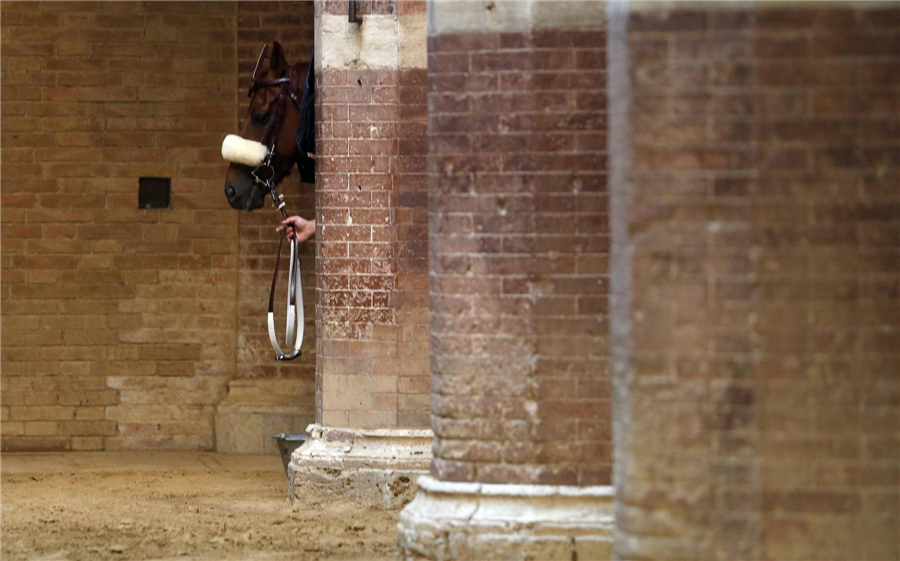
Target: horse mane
[{"x": 305, "y": 141}]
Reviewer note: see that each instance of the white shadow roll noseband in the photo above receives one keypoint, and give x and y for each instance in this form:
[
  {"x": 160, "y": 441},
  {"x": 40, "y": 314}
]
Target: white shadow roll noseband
[{"x": 239, "y": 150}]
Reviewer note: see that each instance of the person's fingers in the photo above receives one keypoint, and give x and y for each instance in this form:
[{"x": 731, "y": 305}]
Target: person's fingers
[
  {"x": 295, "y": 222},
  {"x": 298, "y": 227}
]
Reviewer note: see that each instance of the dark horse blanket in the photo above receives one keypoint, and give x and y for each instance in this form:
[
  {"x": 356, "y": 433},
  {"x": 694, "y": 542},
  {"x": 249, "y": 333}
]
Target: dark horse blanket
[{"x": 306, "y": 130}]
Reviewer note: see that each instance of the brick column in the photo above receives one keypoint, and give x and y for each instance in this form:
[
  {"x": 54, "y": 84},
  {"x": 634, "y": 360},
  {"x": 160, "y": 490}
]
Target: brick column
[
  {"x": 518, "y": 235},
  {"x": 754, "y": 197},
  {"x": 372, "y": 390}
]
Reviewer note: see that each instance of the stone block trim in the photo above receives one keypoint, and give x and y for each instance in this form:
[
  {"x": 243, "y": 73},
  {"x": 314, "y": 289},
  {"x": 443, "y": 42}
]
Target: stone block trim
[
  {"x": 755, "y": 267},
  {"x": 381, "y": 41},
  {"x": 519, "y": 244},
  {"x": 453, "y": 520},
  {"x": 451, "y": 17},
  {"x": 391, "y": 35}
]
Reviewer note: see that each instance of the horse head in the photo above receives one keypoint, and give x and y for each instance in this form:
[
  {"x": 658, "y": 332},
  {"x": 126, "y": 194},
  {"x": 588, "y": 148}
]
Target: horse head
[{"x": 270, "y": 137}]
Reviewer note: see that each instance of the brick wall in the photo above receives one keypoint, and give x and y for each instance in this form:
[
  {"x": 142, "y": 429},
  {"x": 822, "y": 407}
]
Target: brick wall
[
  {"x": 120, "y": 326},
  {"x": 519, "y": 252},
  {"x": 372, "y": 298},
  {"x": 756, "y": 269}
]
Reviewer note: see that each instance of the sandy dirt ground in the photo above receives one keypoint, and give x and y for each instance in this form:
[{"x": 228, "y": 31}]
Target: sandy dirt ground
[{"x": 174, "y": 505}]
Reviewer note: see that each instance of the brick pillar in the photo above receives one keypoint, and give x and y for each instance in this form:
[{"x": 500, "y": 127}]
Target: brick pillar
[
  {"x": 756, "y": 314},
  {"x": 372, "y": 252},
  {"x": 521, "y": 395}
]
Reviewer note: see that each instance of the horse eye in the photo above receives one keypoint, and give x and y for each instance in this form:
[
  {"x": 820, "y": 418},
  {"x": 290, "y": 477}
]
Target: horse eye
[{"x": 260, "y": 118}]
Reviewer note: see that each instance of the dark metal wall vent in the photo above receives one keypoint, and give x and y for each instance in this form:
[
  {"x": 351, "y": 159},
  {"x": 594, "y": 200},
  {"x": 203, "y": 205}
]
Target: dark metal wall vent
[{"x": 154, "y": 192}]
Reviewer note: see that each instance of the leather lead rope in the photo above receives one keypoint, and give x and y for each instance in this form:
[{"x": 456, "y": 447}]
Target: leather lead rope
[
  {"x": 265, "y": 174},
  {"x": 295, "y": 319}
]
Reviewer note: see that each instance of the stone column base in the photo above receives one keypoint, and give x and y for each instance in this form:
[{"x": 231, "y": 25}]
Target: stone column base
[
  {"x": 377, "y": 466},
  {"x": 451, "y": 520}
]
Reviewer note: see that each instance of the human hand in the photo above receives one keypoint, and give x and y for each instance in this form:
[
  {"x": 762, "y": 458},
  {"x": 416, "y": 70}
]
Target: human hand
[{"x": 304, "y": 228}]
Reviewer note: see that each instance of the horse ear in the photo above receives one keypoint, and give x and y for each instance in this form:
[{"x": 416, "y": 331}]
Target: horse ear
[{"x": 278, "y": 63}]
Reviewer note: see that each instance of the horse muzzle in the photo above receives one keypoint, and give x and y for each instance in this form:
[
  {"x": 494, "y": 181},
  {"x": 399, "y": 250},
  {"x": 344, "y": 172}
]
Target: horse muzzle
[
  {"x": 244, "y": 190},
  {"x": 249, "y": 199}
]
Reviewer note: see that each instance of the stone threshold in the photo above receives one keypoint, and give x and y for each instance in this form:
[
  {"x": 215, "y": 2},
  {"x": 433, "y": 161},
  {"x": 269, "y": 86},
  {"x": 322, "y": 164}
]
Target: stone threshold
[{"x": 458, "y": 520}]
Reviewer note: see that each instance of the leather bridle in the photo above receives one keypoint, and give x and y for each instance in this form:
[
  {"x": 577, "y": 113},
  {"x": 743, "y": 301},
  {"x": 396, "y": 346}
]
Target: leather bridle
[{"x": 264, "y": 174}]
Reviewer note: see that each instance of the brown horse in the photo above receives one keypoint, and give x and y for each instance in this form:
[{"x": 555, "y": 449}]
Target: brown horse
[{"x": 263, "y": 116}]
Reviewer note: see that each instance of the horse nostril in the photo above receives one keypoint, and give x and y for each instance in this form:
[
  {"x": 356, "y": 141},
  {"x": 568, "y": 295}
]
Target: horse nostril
[{"x": 229, "y": 192}]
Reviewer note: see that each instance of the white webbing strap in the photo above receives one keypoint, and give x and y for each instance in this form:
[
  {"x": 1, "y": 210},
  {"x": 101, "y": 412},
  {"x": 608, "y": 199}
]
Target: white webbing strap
[{"x": 295, "y": 317}]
